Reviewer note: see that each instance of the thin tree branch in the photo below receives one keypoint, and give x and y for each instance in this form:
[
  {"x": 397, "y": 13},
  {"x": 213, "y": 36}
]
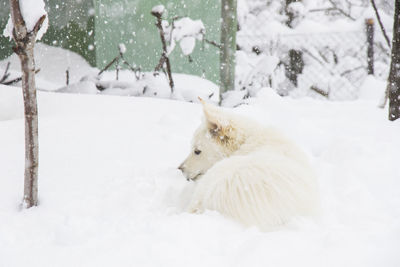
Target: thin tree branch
[
  {"x": 319, "y": 91},
  {"x": 173, "y": 26},
  {"x": 316, "y": 59},
  {"x": 160, "y": 64},
  {"x": 322, "y": 9},
  {"x": 378, "y": 17},
  {"x": 116, "y": 60},
  {"x": 164, "y": 55},
  {"x": 108, "y": 65},
  {"x": 385, "y": 99},
  {"x": 135, "y": 70},
  {"x": 344, "y": 13},
  {"x": 19, "y": 31},
  {"x": 351, "y": 70},
  {"x": 67, "y": 76},
  {"x": 14, "y": 81},
  {"x": 219, "y": 46},
  {"x": 6, "y": 73},
  {"x": 38, "y": 24}
]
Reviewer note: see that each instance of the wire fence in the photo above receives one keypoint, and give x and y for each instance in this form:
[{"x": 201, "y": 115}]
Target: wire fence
[{"x": 330, "y": 65}]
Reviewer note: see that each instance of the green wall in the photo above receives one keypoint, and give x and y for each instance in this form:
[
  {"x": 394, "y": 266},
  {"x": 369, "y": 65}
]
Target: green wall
[
  {"x": 74, "y": 38},
  {"x": 5, "y": 44},
  {"x": 94, "y": 29},
  {"x": 130, "y": 23},
  {"x": 71, "y": 26}
]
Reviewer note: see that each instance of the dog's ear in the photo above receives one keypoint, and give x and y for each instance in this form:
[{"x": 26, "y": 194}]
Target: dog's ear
[
  {"x": 217, "y": 123},
  {"x": 214, "y": 116}
]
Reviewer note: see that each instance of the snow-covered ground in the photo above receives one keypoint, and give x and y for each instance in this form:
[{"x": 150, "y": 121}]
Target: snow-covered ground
[{"x": 110, "y": 191}]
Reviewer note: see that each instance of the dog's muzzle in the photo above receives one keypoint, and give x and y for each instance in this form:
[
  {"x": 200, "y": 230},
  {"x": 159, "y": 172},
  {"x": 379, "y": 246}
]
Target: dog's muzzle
[
  {"x": 182, "y": 169},
  {"x": 194, "y": 178}
]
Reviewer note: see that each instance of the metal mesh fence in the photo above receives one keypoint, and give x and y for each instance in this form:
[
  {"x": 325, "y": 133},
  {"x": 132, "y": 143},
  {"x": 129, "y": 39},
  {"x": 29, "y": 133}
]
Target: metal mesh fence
[{"x": 331, "y": 65}]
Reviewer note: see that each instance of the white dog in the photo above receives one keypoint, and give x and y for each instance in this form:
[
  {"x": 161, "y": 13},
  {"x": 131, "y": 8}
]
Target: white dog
[{"x": 247, "y": 172}]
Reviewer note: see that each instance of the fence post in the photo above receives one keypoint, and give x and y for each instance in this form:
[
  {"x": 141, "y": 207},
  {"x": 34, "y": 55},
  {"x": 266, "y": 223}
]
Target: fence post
[
  {"x": 228, "y": 45},
  {"x": 369, "y": 24},
  {"x": 295, "y": 66}
]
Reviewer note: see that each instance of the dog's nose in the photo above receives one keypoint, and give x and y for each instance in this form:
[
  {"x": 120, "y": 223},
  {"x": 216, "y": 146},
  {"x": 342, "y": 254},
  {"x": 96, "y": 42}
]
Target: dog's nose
[{"x": 181, "y": 168}]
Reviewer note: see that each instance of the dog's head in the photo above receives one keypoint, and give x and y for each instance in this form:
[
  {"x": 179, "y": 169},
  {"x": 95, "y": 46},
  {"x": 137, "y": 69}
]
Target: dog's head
[{"x": 212, "y": 141}]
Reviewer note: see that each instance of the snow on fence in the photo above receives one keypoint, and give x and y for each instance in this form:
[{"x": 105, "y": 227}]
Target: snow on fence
[{"x": 330, "y": 65}]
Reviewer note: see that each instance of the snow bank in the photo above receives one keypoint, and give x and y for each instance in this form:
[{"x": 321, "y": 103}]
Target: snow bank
[
  {"x": 110, "y": 191},
  {"x": 53, "y": 63},
  {"x": 372, "y": 89},
  {"x": 187, "y": 87},
  {"x": 11, "y": 104}
]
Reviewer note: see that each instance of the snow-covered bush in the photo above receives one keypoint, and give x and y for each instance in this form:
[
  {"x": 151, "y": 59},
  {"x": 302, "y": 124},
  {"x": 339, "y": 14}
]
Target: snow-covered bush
[{"x": 329, "y": 35}]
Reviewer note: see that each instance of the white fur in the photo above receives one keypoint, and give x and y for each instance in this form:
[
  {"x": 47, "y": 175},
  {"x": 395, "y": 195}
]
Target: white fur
[{"x": 249, "y": 173}]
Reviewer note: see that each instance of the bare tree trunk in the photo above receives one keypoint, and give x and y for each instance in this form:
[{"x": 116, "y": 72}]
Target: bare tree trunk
[
  {"x": 24, "y": 48},
  {"x": 394, "y": 75},
  {"x": 31, "y": 128}
]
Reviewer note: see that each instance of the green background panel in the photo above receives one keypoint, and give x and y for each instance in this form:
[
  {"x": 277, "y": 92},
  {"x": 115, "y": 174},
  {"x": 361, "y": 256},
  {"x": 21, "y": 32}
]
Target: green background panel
[
  {"x": 5, "y": 43},
  {"x": 94, "y": 29},
  {"x": 130, "y": 23},
  {"x": 71, "y": 26}
]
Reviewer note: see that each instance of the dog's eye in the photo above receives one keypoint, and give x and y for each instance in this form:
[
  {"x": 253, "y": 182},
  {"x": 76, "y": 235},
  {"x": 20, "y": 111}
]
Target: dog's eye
[{"x": 197, "y": 152}]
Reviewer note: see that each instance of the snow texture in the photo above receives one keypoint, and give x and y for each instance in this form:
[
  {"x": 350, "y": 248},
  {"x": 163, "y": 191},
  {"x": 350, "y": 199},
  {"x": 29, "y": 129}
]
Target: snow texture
[
  {"x": 32, "y": 11},
  {"x": 122, "y": 48},
  {"x": 110, "y": 192},
  {"x": 158, "y": 9}
]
